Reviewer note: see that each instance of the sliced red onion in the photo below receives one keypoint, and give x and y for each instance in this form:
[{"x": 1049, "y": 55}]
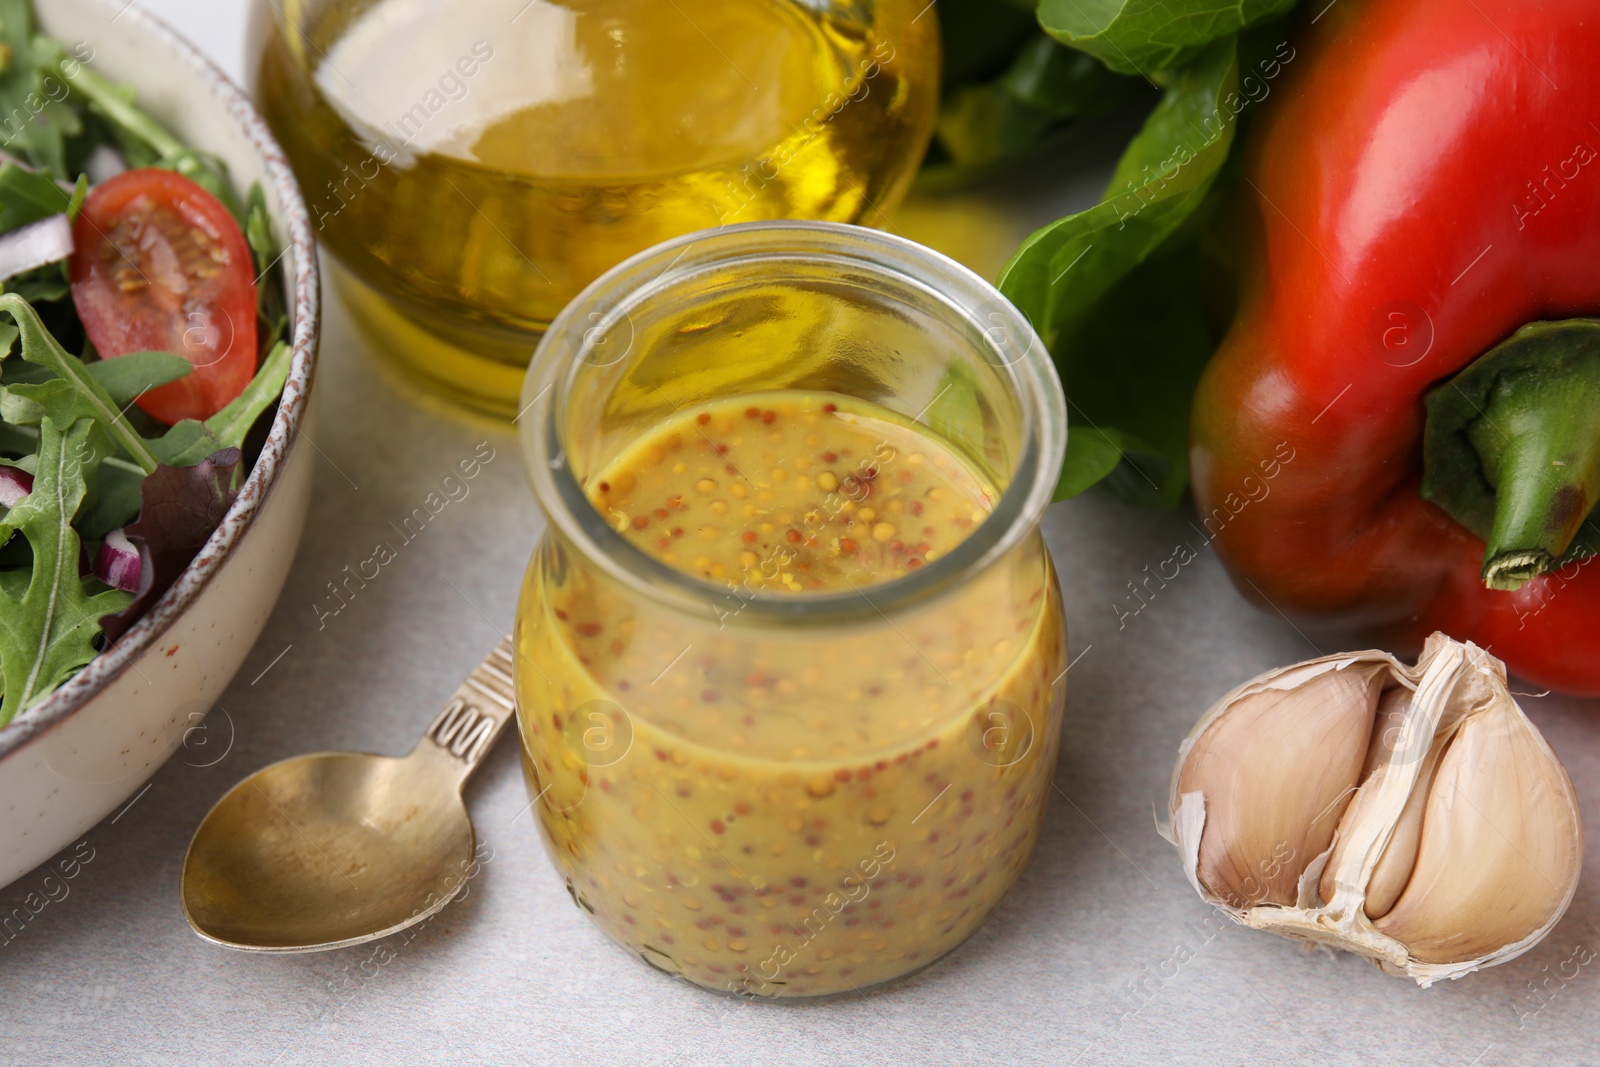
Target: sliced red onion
[
  {"x": 36, "y": 245},
  {"x": 15, "y": 483},
  {"x": 118, "y": 563}
]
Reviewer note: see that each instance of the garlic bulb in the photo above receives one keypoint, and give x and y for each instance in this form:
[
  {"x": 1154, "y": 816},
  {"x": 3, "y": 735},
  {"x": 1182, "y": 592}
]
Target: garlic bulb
[{"x": 1412, "y": 815}]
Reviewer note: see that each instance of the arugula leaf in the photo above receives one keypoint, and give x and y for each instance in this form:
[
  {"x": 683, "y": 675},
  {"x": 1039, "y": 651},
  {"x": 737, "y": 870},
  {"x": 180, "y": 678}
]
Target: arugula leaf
[
  {"x": 115, "y": 104},
  {"x": 113, "y": 501},
  {"x": 229, "y": 426},
  {"x": 18, "y": 441},
  {"x": 97, "y": 452},
  {"x": 43, "y": 286},
  {"x": 144, "y": 141},
  {"x": 123, "y": 378},
  {"x": 48, "y": 627},
  {"x": 35, "y": 120},
  {"x": 76, "y": 393},
  {"x": 269, "y": 294},
  {"x": 80, "y": 193},
  {"x": 258, "y": 229},
  {"x": 210, "y": 173},
  {"x": 1148, "y": 36},
  {"x": 185, "y": 444},
  {"x": 27, "y": 196},
  {"x": 126, "y": 377},
  {"x": 189, "y": 441},
  {"x": 1063, "y": 276}
]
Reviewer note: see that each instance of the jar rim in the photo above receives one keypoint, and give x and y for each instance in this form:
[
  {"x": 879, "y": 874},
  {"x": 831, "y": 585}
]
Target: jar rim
[{"x": 587, "y": 321}]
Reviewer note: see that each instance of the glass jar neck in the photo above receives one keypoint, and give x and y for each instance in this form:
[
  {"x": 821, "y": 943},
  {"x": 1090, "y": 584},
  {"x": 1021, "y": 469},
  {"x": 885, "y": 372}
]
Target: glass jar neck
[{"x": 916, "y": 332}]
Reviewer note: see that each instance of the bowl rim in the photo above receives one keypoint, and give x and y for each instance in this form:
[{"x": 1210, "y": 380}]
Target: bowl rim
[{"x": 305, "y": 318}]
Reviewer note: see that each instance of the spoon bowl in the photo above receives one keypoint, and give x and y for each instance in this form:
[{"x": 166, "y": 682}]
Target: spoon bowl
[
  {"x": 326, "y": 850},
  {"x": 336, "y": 848}
]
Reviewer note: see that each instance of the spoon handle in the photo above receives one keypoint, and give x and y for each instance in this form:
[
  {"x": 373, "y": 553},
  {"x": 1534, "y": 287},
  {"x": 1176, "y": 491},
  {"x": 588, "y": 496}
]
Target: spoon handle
[{"x": 473, "y": 719}]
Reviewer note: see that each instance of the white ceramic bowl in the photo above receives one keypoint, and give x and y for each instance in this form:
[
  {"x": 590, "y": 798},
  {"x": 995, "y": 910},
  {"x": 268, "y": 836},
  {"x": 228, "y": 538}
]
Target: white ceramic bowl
[{"x": 75, "y": 757}]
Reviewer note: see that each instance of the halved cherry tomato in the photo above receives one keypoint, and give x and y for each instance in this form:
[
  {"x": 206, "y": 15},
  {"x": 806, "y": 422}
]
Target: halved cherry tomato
[{"x": 160, "y": 265}]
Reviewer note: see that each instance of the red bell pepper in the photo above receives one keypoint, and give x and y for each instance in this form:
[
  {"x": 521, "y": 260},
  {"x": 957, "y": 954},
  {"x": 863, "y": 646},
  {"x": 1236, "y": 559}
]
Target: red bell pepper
[{"x": 1424, "y": 184}]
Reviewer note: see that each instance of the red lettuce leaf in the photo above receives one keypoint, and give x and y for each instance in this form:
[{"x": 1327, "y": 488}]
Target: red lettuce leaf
[{"x": 181, "y": 507}]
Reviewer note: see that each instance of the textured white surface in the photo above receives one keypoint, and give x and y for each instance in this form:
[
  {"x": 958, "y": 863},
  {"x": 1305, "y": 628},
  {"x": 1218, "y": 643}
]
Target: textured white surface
[{"x": 515, "y": 973}]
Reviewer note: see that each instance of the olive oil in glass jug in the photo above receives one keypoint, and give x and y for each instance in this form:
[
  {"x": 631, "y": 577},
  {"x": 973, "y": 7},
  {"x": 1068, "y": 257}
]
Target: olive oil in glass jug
[{"x": 474, "y": 164}]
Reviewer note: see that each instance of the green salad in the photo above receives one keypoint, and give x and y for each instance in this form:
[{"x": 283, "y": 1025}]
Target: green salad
[{"x": 141, "y": 352}]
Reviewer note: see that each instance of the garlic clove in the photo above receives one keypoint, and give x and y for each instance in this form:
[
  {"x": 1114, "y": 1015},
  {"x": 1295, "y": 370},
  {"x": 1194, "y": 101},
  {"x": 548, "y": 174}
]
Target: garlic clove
[
  {"x": 1386, "y": 728},
  {"x": 1276, "y": 770},
  {"x": 1500, "y": 846},
  {"x": 1393, "y": 869},
  {"x": 1399, "y": 858}
]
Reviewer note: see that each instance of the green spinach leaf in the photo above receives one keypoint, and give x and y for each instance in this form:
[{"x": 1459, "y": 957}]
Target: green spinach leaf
[
  {"x": 1067, "y": 84},
  {"x": 1046, "y": 87},
  {"x": 1063, "y": 276},
  {"x": 1092, "y": 454},
  {"x": 1133, "y": 364},
  {"x": 980, "y": 38},
  {"x": 1062, "y": 269},
  {"x": 956, "y": 414},
  {"x": 1146, "y": 37}
]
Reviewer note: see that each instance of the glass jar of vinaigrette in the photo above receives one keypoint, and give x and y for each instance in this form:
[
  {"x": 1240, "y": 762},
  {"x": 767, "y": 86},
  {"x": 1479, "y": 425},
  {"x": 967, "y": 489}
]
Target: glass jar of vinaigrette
[
  {"x": 474, "y": 164},
  {"x": 790, "y": 656}
]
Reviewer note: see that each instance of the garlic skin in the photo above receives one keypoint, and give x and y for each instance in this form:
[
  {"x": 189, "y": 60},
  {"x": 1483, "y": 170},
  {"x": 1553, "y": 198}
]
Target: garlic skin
[{"x": 1413, "y": 815}]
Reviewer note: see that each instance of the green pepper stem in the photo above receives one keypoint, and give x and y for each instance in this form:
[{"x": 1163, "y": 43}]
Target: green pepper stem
[
  {"x": 1531, "y": 415},
  {"x": 1541, "y": 442}
]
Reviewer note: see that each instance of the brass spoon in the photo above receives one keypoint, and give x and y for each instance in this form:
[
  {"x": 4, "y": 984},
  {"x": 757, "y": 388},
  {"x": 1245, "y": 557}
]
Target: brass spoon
[{"x": 336, "y": 848}]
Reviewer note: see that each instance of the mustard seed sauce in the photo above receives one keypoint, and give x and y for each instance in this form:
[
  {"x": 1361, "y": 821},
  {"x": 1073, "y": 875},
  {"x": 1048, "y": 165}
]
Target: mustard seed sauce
[
  {"x": 792, "y": 495},
  {"x": 789, "y": 815}
]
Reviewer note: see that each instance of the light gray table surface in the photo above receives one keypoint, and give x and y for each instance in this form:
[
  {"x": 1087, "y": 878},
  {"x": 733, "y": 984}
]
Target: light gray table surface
[{"x": 1100, "y": 955}]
